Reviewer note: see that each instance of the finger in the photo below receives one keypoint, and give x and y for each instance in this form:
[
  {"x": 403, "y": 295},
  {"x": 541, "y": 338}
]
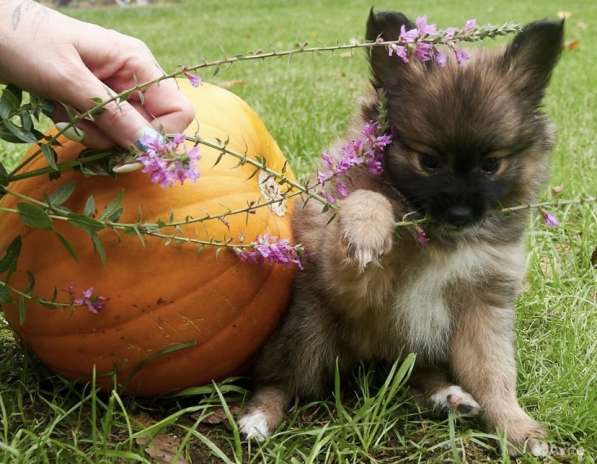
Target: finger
[
  {"x": 84, "y": 132},
  {"x": 167, "y": 107},
  {"x": 120, "y": 121},
  {"x": 172, "y": 111},
  {"x": 142, "y": 110},
  {"x": 93, "y": 137},
  {"x": 164, "y": 102}
]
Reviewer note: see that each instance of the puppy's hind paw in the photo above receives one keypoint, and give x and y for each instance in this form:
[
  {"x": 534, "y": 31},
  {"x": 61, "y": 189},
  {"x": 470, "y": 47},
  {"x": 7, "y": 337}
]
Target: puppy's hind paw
[
  {"x": 254, "y": 425},
  {"x": 454, "y": 398}
]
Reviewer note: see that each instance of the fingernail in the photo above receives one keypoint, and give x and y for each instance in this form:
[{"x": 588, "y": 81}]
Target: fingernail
[
  {"x": 146, "y": 136},
  {"x": 127, "y": 167},
  {"x": 72, "y": 133}
]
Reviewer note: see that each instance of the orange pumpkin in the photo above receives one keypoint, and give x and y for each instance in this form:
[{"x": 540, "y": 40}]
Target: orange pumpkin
[{"x": 174, "y": 317}]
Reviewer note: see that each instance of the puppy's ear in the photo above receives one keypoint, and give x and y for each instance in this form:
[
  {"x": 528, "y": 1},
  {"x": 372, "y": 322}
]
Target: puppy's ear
[
  {"x": 532, "y": 55},
  {"x": 385, "y": 25}
]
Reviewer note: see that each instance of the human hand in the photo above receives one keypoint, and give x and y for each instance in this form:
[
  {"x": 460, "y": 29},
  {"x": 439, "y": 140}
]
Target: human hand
[{"x": 57, "y": 57}]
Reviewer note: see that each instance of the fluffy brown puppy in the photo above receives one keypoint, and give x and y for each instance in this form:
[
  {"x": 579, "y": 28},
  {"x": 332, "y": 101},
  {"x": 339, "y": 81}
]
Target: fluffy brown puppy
[{"x": 468, "y": 140}]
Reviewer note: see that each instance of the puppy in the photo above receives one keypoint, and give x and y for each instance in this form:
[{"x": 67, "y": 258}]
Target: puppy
[{"x": 467, "y": 141}]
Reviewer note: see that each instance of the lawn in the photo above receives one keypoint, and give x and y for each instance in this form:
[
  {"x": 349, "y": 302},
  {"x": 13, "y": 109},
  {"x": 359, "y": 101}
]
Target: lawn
[{"x": 306, "y": 102}]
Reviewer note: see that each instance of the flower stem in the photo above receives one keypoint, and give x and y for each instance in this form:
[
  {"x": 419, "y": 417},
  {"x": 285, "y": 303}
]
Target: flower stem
[
  {"x": 243, "y": 158},
  {"x": 32, "y": 297},
  {"x": 476, "y": 35}
]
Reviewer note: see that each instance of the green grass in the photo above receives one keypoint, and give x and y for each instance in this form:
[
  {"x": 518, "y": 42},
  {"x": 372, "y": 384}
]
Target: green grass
[{"x": 306, "y": 102}]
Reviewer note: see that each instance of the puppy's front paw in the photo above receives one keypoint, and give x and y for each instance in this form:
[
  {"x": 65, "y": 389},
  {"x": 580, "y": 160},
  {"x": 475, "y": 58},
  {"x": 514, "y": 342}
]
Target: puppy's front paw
[
  {"x": 367, "y": 225},
  {"x": 531, "y": 441},
  {"x": 524, "y": 435},
  {"x": 537, "y": 447}
]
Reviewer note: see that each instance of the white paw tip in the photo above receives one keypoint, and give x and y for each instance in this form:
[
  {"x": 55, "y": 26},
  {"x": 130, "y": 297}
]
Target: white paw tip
[
  {"x": 538, "y": 448},
  {"x": 254, "y": 426},
  {"x": 455, "y": 398}
]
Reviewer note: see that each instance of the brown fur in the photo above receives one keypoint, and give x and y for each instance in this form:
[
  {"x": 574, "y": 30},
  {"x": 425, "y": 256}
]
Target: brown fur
[{"x": 368, "y": 294}]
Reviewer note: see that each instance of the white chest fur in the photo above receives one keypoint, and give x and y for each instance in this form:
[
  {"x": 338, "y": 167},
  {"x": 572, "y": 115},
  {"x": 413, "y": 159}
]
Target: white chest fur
[{"x": 422, "y": 313}]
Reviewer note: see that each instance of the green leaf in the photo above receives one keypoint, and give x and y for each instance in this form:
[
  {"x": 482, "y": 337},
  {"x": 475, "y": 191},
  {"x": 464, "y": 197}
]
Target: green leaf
[
  {"x": 47, "y": 107},
  {"x": 17, "y": 92},
  {"x": 26, "y": 121},
  {"x": 9, "y": 259},
  {"x": 21, "y": 134},
  {"x": 89, "y": 209},
  {"x": 10, "y": 101},
  {"x": 30, "y": 283},
  {"x": 5, "y": 134},
  {"x": 254, "y": 173},
  {"x": 62, "y": 194},
  {"x": 5, "y": 294},
  {"x": 3, "y": 175},
  {"x": 34, "y": 216},
  {"x": 49, "y": 303},
  {"x": 66, "y": 244},
  {"x": 22, "y": 310},
  {"x": 169, "y": 349},
  {"x": 99, "y": 247},
  {"x": 114, "y": 209},
  {"x": 140, "y": 236},
  {"x": 88, "y": 224},
  {"x": 49, "y": 155},
  {"x": 96, "y": 111}
]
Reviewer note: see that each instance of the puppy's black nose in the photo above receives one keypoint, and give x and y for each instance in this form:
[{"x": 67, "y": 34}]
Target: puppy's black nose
[{"x": 459, "y": 215}]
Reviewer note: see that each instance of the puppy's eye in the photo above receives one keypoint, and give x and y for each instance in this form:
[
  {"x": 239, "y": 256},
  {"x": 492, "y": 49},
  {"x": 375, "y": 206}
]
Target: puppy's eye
[
  {"x": 429, "y": 162},
  {"x": 490, "y": 165}
]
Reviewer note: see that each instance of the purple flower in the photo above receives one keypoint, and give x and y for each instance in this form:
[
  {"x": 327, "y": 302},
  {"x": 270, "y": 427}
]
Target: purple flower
[
  {"x": 398, "y": 50},
  {"x": 375, "y": 167},
  {"x": 324, "y": 176},
  {"x": 382, "y": 141},
  {"x": 449, "y": 33},
  {"x": 461, "y": 55},
  {"x": 94, "y": 303},
  {"x": 421, "y": 236},
  {"x": 152, "y": 141},
  {"x": 441, "y": 59},
  {"x": 470, "y": 25},
  {"x": 424, "y": 51},
  {"x": 350, "y": 156},
  {"x": 365, "y": 150},
  {"x": 408, "y": 36},
  {"x": 268, "y": 249},
  {"x": 341, "y": 189},
  {"x": 166, "y": 162},
  {"x": 370, "y": 129},
  {"x": 327, "y": 160},
  {"x": 549, "y": 219},
  {"x": 194, "y": 79},
  {"x": 424, "y": 28}
]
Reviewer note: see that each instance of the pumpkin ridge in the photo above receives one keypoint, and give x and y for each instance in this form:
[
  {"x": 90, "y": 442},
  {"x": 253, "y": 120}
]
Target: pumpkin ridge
[
  {"x": 221, "y": 333},
  {"x": 125, "y": 322},
  {"x": 187, "y": 351}
]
